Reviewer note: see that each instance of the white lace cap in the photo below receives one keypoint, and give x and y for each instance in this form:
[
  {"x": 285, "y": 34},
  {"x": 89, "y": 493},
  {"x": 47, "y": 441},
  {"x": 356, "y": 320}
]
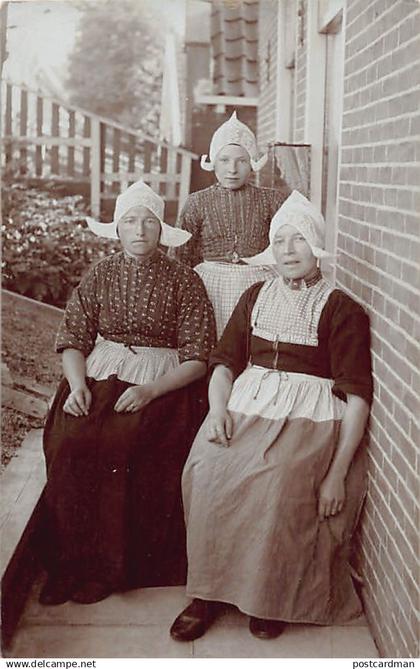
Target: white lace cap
[
  {"x": 298, "y": 211},
  {"x": 233, "y": 131},
  {"x": 139, "y": 194}
]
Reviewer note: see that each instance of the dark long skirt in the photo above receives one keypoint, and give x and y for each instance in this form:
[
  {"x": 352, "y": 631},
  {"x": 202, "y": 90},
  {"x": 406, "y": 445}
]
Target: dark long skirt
[{"x": 113, "y": 510}]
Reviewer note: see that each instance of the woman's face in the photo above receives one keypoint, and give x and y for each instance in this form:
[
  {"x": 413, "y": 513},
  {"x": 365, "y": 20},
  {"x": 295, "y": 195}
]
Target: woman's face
[
  {"x": 293, "y": 254},
  {"x": 139, "y": 232},
  {"x": 232, "y": 166}
]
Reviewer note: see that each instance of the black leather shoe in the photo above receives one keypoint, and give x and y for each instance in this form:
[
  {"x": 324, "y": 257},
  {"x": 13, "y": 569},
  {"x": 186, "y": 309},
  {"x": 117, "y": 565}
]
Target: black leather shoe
[
  {"x": 57, "y": 590},
  {"x": 266, "y": 629},
  {"x": 195, "y": 620},
  {"x": 91, "y": 592}
]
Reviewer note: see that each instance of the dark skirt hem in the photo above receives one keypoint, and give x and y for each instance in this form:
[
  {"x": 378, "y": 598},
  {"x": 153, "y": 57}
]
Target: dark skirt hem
[{"x": 112, "y": 502}]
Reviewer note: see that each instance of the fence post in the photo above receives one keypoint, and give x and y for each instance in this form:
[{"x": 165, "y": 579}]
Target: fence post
[
  {"x": 116, "y": 151},
  {"x": 23, "y": 128},
  {"x": 86, "y": 149},
  {"x": 184, "y": 187},
  {"x": 39, "y": 132},
  {"x": 95, "y": 167},
  {"x": 8, "y": 124},
  {"x": 70, "y": 150},
  {"x": 55, "y": 132},
  {"x": 171, "y": 172}
]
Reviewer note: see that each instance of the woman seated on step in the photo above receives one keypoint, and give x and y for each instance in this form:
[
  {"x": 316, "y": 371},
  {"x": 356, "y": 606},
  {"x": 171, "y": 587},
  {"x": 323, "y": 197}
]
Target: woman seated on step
[
  {"x": 276, "y": 477},
  {"x": 135, "y": 339}
]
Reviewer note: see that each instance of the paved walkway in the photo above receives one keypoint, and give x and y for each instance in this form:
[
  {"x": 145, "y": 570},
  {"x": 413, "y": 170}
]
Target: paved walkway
[{"x": 136, "y": 624}]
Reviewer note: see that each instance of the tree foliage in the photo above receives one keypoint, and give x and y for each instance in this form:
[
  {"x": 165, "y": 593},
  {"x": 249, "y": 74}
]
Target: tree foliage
[{"x": 116, "y": 66}]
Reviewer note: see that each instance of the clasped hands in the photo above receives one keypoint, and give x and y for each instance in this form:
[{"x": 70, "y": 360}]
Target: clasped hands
[{"x": 131, "y": 400}]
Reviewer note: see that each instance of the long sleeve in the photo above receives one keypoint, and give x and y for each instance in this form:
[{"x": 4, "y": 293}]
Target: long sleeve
[
  {"x": 277, "y": 197},
  {"x": 196, "y": 327},
  {"x": 234, "y": 345},
  {"x": 191, "y": 253},
  {"x": 79, "y": 326},
  {"x": 349, "y": 347},
  {"x": 224, "y": 221}
]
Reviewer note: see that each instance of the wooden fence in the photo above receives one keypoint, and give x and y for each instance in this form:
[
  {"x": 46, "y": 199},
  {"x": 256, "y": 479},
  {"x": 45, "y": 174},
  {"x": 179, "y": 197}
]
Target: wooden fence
[{"x": 46, "y": 139}]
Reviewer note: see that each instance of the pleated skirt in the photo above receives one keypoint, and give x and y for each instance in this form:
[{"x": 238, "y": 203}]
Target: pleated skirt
[{"x": 254, "y": 538}]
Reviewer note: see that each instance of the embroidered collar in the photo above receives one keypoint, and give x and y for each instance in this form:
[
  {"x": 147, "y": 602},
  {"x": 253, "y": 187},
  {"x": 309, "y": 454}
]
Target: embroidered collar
[
  {"x": 142, "y": 263},
  {"x": 219, "y": 186},
  {"x": 305, "y": 282}
]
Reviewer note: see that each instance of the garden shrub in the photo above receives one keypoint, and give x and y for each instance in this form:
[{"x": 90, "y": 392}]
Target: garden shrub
[{"x": 47, "y": 247}]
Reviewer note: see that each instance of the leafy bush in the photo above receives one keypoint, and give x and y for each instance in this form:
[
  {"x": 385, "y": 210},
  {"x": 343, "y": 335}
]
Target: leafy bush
[{"x": 46, "y": 245}]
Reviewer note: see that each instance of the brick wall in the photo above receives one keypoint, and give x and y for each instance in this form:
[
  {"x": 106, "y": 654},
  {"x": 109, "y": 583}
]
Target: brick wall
[
  {"x": 379, "y": 246},
  {"x": 379, "y": 252},
  {"x": 267, "y": 50}
]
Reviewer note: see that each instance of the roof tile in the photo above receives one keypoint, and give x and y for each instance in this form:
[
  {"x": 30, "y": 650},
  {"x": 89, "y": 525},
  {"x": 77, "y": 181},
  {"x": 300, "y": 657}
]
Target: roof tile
[{"x": 234, "y": 40}]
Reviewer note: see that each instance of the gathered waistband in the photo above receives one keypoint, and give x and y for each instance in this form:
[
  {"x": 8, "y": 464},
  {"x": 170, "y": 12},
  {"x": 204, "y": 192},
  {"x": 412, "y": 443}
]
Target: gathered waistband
[
  {"x": 292, "y": 377},
  {"x": 277, "y": 394},
  {"x": 134, "y": 364}
]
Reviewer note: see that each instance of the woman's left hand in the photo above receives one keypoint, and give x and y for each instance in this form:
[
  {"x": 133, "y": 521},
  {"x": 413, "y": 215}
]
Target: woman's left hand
[
  {"x": 135, "y": 398},
  {"x": 332, "y": 494}
]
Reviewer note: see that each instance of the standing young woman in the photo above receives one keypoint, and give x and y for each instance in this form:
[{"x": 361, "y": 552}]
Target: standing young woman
[
  {"x": 230, "y": 220},
  {"x": 135, "y": 340},
  {"x": 276, "y": 477}
]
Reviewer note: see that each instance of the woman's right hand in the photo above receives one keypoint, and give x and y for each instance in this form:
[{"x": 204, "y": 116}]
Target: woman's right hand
[
  {"x": 78, "y": 402},
  {"x": 219, "y": 428}
]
